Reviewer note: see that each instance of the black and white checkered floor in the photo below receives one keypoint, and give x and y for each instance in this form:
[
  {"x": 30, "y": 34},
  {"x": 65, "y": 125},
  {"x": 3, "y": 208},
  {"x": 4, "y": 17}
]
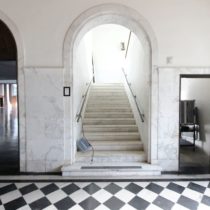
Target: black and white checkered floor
[{"x": 178, "y": 195}]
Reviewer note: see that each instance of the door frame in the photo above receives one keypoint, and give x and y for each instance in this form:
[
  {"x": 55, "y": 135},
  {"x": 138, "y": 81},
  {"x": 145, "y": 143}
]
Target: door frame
[
  {"x": 20, "y": 88},
  {"x": 190, "y": 76}
]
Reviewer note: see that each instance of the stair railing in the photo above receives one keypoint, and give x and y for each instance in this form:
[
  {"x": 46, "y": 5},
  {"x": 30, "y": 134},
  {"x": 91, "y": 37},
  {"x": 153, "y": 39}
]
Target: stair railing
[
  {"x": 93, "y": 69},
  {"x": 79, "y": 115},
  {"x": 129, "y": 39},
  {"x": 134, "y": 96},
  {"x": 84, "y": 97},
  {"x": 129, "y": 84}
]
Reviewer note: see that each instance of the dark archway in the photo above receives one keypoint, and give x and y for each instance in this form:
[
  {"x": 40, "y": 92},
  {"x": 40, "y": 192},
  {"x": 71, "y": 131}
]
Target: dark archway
[{"x": 9, "y": 137}]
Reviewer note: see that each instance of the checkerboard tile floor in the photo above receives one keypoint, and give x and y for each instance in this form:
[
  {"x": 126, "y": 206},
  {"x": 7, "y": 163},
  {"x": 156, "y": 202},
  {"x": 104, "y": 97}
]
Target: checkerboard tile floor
[{"x": 180, "y": 195}]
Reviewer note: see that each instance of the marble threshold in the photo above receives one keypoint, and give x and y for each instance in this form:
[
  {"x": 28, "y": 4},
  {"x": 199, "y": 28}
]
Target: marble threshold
[{"x": 110, "y": 169}]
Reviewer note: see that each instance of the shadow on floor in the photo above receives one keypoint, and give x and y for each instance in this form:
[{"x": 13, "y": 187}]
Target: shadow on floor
[{"x": 193, "y": 161}]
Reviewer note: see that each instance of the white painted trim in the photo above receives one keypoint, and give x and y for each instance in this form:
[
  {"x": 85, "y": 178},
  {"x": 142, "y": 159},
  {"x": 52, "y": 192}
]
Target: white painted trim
[
  {"x": 21, "y": 88},
  {"x": 95, "y": 16}
]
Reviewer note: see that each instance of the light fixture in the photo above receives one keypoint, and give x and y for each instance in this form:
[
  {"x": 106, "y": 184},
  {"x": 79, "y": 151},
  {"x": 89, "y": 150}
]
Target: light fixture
[{"x": 122, "y": 44}]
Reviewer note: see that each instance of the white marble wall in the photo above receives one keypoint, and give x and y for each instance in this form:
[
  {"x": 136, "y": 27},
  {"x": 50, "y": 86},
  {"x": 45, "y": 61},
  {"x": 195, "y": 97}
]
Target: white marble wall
[
  {"x": 44, "y": 119},
  {"x": 168, "y": 113},
  {"x": 45, "y": 145}
]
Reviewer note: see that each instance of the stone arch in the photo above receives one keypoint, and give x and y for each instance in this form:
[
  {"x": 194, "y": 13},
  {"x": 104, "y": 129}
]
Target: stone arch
[
  {"x": 21, "y": 87},
  {"x": 95, "y": 16}
]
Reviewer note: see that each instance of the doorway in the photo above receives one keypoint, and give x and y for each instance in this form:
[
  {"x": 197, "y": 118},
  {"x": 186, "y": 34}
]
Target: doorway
[
  {"x": 194, "y": 141},
  {"x": 9, "y": 135},
  {"x": 93, "y": 17},
  {"x": 121, "y": 73}
]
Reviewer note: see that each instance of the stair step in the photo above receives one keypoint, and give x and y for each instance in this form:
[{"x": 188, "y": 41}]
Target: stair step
[
  {"x": 111, "y": 156},
  {"x": 108, "y": 84},
  {"x": 107, "y": 89},
  {"x": 108, "y": 106},
  {"x": 105, "y": 99},
  {"x": 108, "y": 103},
  {"x": 111, "y": 136},
  {"x": 110, "y": 128},
  {"x": 99, "y": 93},
  {"x": 108, "y": 115},
  {"x": 117, "y": 145},
  {"x": 109, "y": 170},
  {"x": 111, "y": 88},
  {"x": 107, "y": 121},
  {"x": 102, "y": 98},
  {"x": 108, "y": 109}
]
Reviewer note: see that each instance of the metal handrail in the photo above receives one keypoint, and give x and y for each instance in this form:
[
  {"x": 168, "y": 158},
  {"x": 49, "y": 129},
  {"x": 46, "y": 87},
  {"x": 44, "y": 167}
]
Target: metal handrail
[
  {"x": 129, "y": 39},
  {"x": 79, "y": 115},
  {"x": 134, "y": 96},
  {"x": 93, "y": 69}
]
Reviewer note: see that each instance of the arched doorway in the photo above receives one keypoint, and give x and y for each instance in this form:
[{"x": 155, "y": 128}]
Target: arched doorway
[
  {"x": 9, "y": 149},
  {"x": 12, "y": 90},
  {"x": 129, "y": 18}
]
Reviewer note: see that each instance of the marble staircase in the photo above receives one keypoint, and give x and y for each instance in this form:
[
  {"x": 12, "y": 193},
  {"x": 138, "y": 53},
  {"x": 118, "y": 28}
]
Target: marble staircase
[
  {"x": 111, "y": 111},
  {"x": 110, "y": 127}
]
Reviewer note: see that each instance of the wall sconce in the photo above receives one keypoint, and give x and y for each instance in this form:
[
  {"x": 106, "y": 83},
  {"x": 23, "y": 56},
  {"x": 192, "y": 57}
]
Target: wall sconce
[{"x": 122, "y": 45}]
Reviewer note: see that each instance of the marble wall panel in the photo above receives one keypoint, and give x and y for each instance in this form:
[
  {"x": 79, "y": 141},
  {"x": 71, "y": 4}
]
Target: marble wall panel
[
  {"x": 44, "y": 119},
  {"x": 168, "y": 113}
]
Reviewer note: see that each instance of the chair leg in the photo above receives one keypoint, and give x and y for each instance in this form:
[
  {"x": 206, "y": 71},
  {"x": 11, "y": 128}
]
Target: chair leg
[{"x": 194, "y": 139}]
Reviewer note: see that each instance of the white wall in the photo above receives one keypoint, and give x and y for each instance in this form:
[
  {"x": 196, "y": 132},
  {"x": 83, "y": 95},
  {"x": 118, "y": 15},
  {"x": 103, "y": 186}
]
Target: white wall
[
  {"x": 137, "y": 70},
  {"x": 197, "y": 89},
  {"x": 180, "y": 27},
  {"x": 108, "y": 57},
  {"x": 81, "y": 78}
]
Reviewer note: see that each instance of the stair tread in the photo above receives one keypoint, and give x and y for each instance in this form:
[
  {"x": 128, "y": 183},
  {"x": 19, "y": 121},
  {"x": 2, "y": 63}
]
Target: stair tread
[
  {"x": 110, "y": 115},
  {"x": 107, "y": 126},
  {"x": 112, "y": 133},
  {"x": 111, "y": 112},
  {"x": 109, "y": 104},
  {"x": 105, "y": 118},
  {"x": 108, "y": 121},
  {"x": 105, "y": 100},
  {"x": 110, "y": 109},
  {"x": 111, "y": 153},
  {"x": 110, "y": 128},
  {"x": 115, "y": 142}
]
